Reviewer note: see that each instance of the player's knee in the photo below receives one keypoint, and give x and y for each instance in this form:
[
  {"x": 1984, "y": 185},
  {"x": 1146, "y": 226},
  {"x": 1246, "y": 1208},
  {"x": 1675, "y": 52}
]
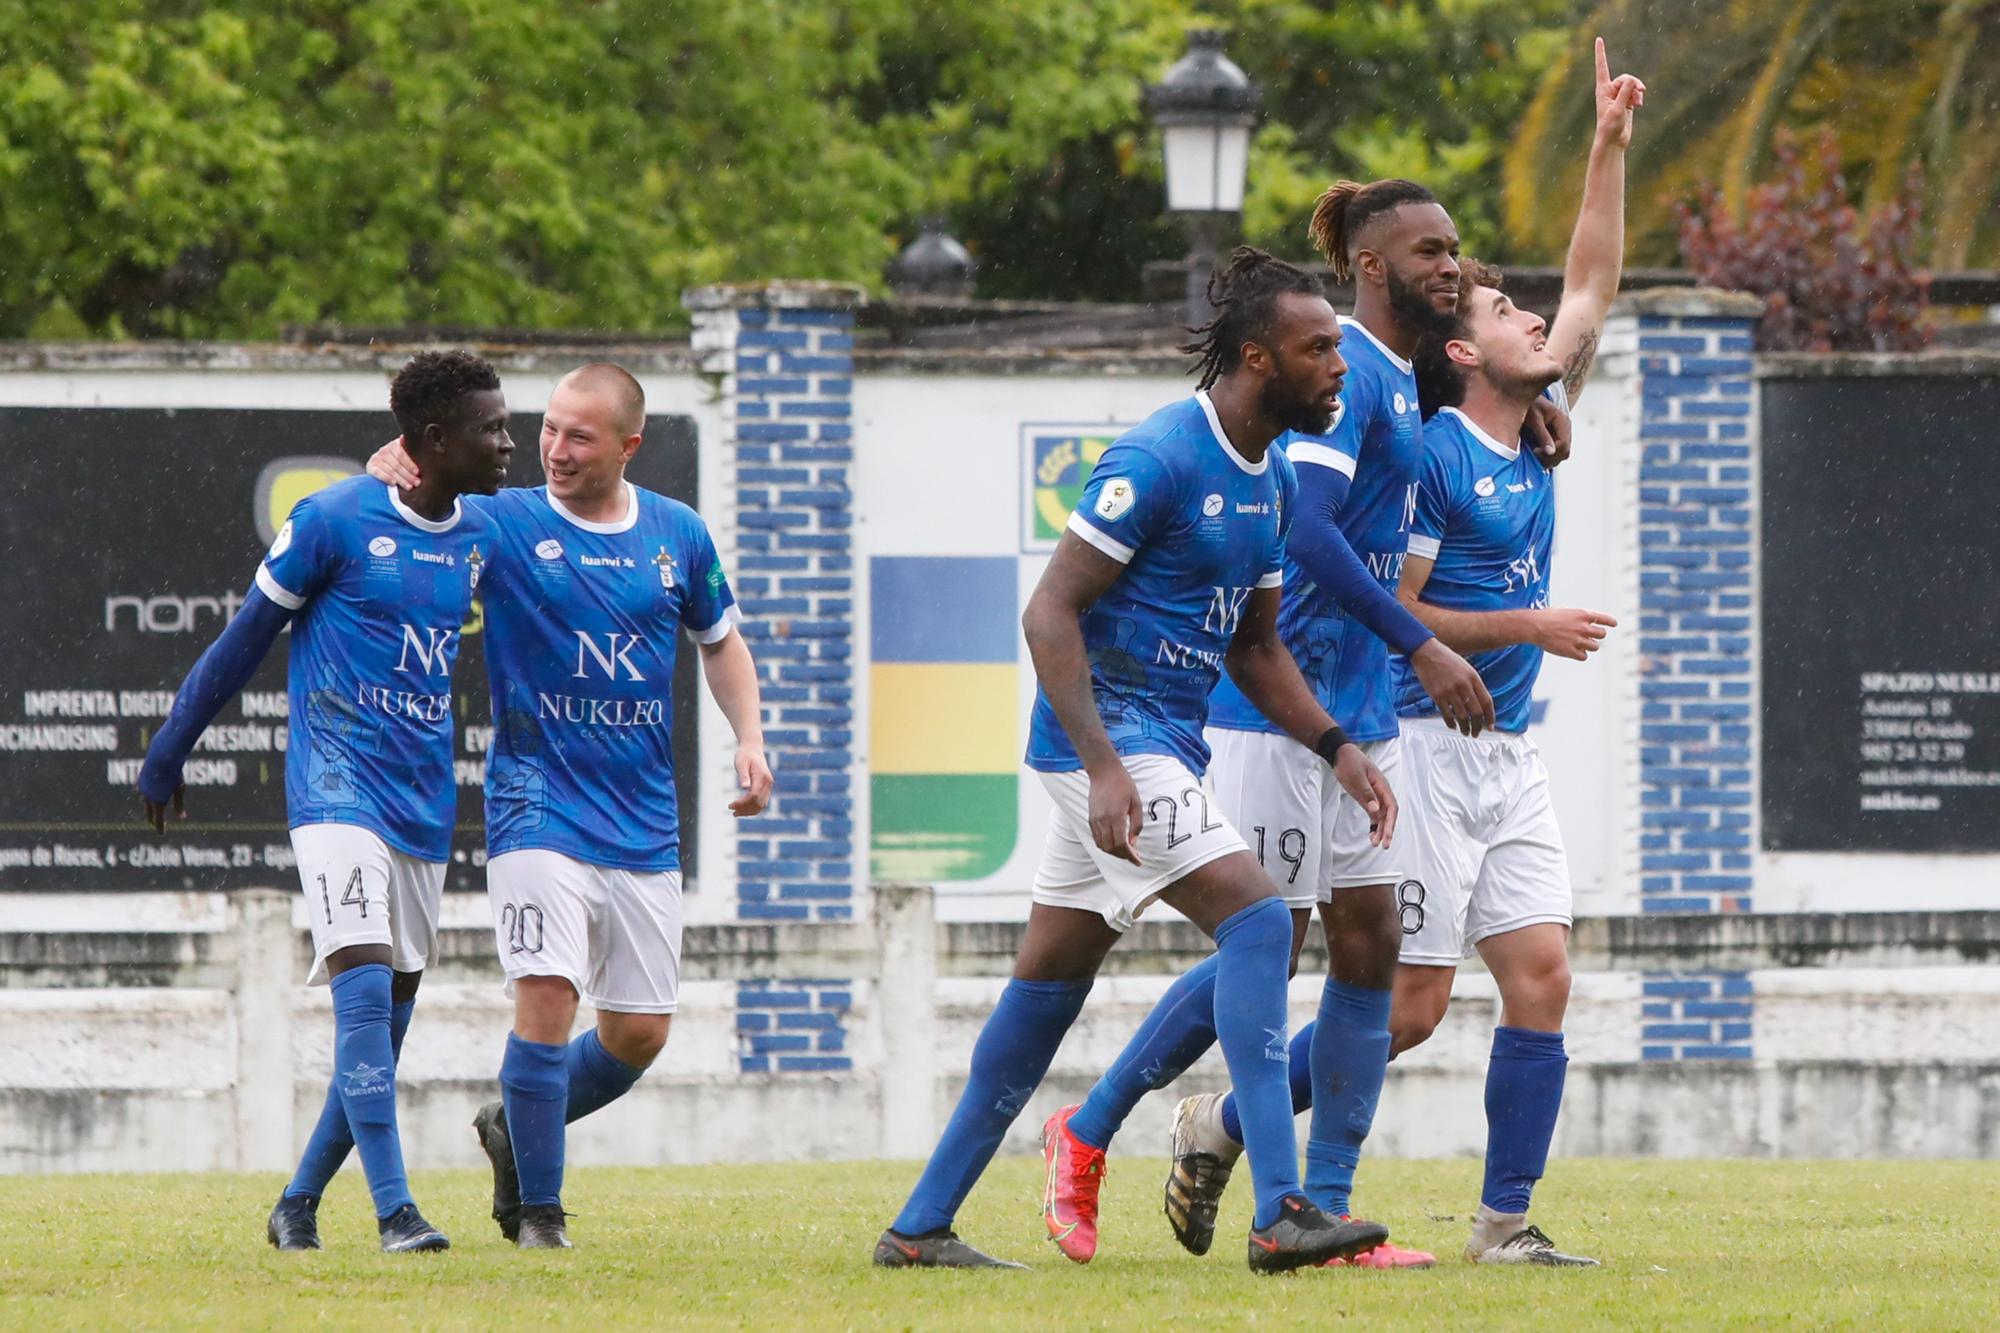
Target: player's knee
[
  {"x": 634, "y": 1039},
  {"x": 1547, "y": 983}
]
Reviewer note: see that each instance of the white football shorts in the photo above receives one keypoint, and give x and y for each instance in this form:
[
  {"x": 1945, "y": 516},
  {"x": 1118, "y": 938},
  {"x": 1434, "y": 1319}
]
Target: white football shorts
[
  {"x": 1309, "y": 834},
  {"x": 1185, "y": 829},
  {"x": 360, "y": 890},
  {"x": 1488, "y": 857},
  {"x": 613, "y": 934}
]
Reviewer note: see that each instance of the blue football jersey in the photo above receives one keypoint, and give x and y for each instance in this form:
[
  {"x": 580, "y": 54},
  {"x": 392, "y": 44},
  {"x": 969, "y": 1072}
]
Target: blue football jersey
[
  {"x": 1198, "y": 528},
  {"x": 1378, "y": 442},
  {"x": 1486, "y": 513},
  {"x": 380, "y": 594},
  {"x": 583, "y": 620}
]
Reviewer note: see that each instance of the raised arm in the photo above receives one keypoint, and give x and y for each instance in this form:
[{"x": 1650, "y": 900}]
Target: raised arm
[
  {"x": 1565, "y": 631},
  {"x": 1597, "y": 246},
  {"x": 1265, "y": 670}
]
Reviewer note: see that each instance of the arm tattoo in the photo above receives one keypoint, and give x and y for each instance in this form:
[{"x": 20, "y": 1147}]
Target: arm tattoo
[{"x": 1579, "y": 361}]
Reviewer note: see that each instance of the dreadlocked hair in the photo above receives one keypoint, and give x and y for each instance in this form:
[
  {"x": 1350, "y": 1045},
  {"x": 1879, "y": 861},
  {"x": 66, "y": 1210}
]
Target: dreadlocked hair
[
  {"x": 1341, "y": 213},
  {"x": 1441, "y": 380},
  {"x": 430, "y": 385},
  {"x": 1244, "y": 294}
]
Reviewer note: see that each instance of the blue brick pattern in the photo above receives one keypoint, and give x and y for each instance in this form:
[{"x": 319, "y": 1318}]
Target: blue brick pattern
[
  {"x": 787, "y": 383},
  {"x": 793, "y": 1027},
  {"x": 1697, "y": 623},
  {"x": 1697, "y": 1016}
]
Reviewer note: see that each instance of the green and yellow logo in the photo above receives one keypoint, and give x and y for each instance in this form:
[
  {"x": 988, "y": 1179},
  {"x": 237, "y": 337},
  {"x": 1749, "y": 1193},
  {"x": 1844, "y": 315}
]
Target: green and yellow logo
[
  {"x": 1059, "y": 459},
  {"x": 286, "y": 481}
]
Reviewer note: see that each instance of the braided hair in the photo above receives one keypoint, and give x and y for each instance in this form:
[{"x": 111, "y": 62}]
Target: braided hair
[
  {"x": 1341, "y": 213},
  {"x": 1244, "y": 294}
]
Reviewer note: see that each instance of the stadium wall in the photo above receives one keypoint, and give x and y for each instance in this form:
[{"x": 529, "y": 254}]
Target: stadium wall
[{"x": 884, "y": 516}]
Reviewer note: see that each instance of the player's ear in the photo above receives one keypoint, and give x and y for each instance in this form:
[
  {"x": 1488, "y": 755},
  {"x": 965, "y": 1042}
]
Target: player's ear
[
  {"x": 630, "y": 447},
  {"x": 1462, "y": 352},
  {"x": 1255, "y": 356},
  {"x": 1369, "y": 264}
]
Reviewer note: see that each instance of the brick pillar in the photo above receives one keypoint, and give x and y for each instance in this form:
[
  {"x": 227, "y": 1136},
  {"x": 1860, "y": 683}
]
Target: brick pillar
[
  {"x": 1697, "y": 524},
  {"x": 783, "y": 353},
  {"x": 1697, "y": 499}
]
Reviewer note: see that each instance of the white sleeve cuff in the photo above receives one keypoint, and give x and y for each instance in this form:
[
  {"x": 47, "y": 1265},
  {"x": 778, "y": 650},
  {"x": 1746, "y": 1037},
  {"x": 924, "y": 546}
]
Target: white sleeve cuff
[
  {"x": 1320, "y": 455},
  {"x": 1097, "y": 537},
  {"x": 1274, "y": 579},
  {"x": 268, "y": 584},
  {"x": 1424, "y": 548},
  {"x": 719, "y": 631}
]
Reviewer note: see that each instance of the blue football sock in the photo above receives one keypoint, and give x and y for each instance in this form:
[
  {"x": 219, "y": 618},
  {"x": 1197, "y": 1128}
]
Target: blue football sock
[
  {"x": 1008, "y": 1061},
  {"x": 1180, "y": 1028},
  {"x": 596, "y": 1076},
  {"x": 534, "y": 1087},
  {"x": 364, "y": 1069},
  {"x": 1253, "y": 951},
  {"x": 1300, "y": 1059},
  {"x": 1524, "y": 1091},
  {"x": 1349, "y": 1058},
  {"x": 331, "y": 1138}
]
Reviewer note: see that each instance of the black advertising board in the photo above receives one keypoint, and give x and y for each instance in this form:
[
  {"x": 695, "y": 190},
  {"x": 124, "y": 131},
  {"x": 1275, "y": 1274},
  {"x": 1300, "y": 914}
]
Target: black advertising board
[
  {"x": 1881, "y": 613},
  {"x": 131, "y": 535}
]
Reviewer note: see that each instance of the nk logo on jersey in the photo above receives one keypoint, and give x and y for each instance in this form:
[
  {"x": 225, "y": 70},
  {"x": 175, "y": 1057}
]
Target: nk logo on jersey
[
  {"x": 616, "y": 653},
  {"x": 1225, "y": 611},
  {"x": 430, "y": 647},
  {"x": 1523, "y": 570}
]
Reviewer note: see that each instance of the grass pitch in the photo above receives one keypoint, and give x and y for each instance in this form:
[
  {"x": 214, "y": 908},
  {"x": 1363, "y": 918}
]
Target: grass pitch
[{"x": 1685, "y": 1245}]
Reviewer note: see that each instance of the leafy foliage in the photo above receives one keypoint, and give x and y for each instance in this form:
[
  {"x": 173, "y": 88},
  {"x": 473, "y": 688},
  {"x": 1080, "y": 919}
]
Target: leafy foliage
[
  {"x": 1898, "y": 82},
  {"x": 1831, "y": 281}
]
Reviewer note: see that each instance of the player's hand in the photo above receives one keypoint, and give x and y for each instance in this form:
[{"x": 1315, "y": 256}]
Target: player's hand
[
  {"x": 753, "y": 779},
  {"x": 1616, "y": 100},
  {"x": 1549, "y": 427},
  {"x": 1462, "y": 698},
  {"x": 1115, "y": 814},
  {"x": 1571, "y": 631},
  {"x": 156, "y": 811},
  {"x": 392, "y": 463},
  {"x": 1359, "y": 778}
]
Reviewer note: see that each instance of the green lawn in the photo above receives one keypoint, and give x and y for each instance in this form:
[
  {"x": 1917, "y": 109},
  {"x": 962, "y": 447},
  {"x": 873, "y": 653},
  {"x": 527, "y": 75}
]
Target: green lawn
[{"x": 1687, "y": 1244}]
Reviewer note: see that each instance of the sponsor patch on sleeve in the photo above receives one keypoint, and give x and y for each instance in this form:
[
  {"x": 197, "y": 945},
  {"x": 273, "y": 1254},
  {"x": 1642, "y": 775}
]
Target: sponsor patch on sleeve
[{"x": 1116, "y": 499}]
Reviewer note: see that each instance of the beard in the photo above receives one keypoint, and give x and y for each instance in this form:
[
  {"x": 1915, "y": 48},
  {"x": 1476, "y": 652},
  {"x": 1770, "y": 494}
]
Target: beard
[
  {"x": 1293, "y": 412},
  {"x": 1413, "y": 307}
]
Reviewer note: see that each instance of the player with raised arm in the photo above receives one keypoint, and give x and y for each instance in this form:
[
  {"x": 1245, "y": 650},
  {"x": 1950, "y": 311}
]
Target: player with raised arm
[
  {"x": 1488, "y": 856},
  {"x": 375, "y": 583},
  {"x": 1177, "y": 545},
  {"x": 1340, "y": 618},
  {"x": 595, "y": 580}
]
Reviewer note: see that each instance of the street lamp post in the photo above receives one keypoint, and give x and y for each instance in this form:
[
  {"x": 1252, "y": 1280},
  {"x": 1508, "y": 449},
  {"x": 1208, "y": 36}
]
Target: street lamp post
[{"x": 1205, "y": 109}]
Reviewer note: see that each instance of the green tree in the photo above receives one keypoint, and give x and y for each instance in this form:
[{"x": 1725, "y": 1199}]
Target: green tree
[{"x": 1899, "y": 82}]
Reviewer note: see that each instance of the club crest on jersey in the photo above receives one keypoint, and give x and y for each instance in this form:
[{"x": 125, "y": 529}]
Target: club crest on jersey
[
  {"x": 1483, "y": 487},
  {"x": 1116, "y": 499},
  {"x": 551, "y": 549},
  {"x": 665, "y": 564},
  {"x": 1212, "y": 506},
  {"x": 1402, "y": 403},
  {"x": 382, "y": 546},
  {"x": 476, "y": 563}
]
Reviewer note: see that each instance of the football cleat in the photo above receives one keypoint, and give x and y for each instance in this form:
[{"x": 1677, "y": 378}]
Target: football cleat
[
  {"x": 405, "y": 1232},
  {"x": 1202, "y": 1157},
  {"x": 1527, "y": 1246},
  {"x": 294, "y": 1223},
  {"x": 491, "y": 1126},
  {"x": 1304, "y": 1237},
  {"x": 1384, "y": 1256},
  {"x": 933, "y": 1249},
  {"x": 1069, "y": 1198},
  {"x": 542, "y": 1227}
]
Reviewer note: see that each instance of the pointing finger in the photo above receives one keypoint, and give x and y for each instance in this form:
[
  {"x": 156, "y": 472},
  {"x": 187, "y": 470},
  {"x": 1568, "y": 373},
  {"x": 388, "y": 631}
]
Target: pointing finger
[{"x": 1603, "y": 65}]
